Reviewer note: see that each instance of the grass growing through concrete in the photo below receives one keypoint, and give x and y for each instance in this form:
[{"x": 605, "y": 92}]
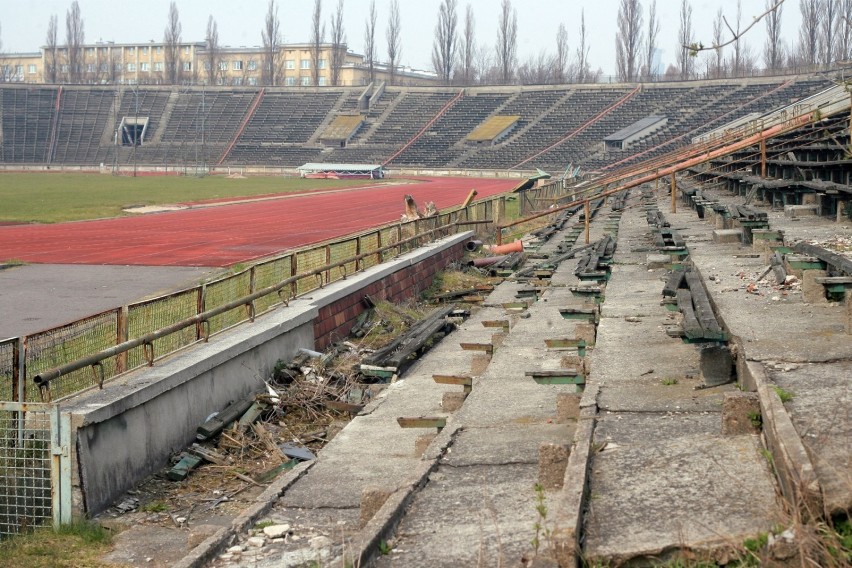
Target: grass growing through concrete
[
  {"x": 53, "y": 198},
  {"x": 78, "y": 545},
  {"x": 784, "y": 395}
]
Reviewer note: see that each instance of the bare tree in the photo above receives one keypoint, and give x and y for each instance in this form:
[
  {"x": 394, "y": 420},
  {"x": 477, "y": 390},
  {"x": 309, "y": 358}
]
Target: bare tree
[
  {"x": 844, "y": 31},
  {"x": 583, "y": 51},
  {"x": 685, "y": 39},
  {"x": 51, "y": 48},
  {"x": 737, "y": 55},
  {"x": 830, "y": 11},
  {"x": 467, "y": 55},
  {"x": 507, "y": 41},
  {"x": 489, "y": 74},
  {"x": 370, "y": 40},
  {"x": 171, "y": 44},
  {"x": 338, "y": 44},
  {"x": 74, "y": 39},
  {"x": 717, "y": 63},
  {"x": 212, "y": 53},
  {"x": 272, "y": 40},
  {"x": 809, "y": 31},
  {"x": 773, "y": 51},
  {"x": 317, "y": 39},
  {"x": 394, "y": 39},
  {"x": 537, "y": 70},
  {"x": 651, "y": 40},
  {"x": 560, "y": 60},
  {"x": 445, "y": 44},
  {"x": 628, "y": 39}
]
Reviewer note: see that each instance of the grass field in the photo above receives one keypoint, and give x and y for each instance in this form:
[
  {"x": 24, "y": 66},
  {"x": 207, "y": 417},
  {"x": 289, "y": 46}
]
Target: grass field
[{"x": 53, "y": 198}]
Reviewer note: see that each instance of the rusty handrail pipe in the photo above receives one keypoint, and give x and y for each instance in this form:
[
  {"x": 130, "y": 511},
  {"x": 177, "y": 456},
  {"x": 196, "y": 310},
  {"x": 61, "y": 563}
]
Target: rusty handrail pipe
[{"x": 42, "y": 380}]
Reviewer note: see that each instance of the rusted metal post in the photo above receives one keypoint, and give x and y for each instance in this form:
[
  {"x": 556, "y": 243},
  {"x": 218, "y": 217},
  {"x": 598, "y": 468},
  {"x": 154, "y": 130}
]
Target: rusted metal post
[
  {"x": 357, "y": 254},
  {"x": 327, "y": 262},
  {"x": 121, "y": 335},
  {"x": 294, "y": 270},
  {"x": 763, "y": 158},
  {"x": 674, "y": 193},
  {"x": 200, "y": 302},
  {"x": 17, "y": 394},
  {"x": 379, "y": 248},
  {"x": 251, "y": 307},
  {"x": 587, "y": 211}
]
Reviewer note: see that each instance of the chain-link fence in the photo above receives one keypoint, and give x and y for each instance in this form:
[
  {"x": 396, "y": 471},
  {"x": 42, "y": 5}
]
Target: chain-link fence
[{"x": 35, "y": 472}]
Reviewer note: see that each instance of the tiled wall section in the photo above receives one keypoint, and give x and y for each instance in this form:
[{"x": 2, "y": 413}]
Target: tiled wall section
[{"x": 336, "y": 319}]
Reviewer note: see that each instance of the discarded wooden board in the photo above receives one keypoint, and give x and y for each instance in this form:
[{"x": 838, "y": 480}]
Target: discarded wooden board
[
  {"x": 221, "y": 420},
  {"x": 423, "y": 422},
  {"x": 378, "y": 372},
  {"x": 502, "y": 324},
  {"x": 484, "y": 347},
  {"x": 578, "y": 344},
  {"x": 181, "y": 469},
  {"x": 465, "y": 381},
  {"x": 560, "y": 377}
]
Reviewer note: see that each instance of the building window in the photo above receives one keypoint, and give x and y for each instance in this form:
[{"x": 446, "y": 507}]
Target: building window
[
  {"x": 321, "y": 64},
  {"x": 31, "y": 69},
  {"x": 290, "y": 81},
  {"x": 104, "y": 67},
  {"x": 90, "y": 67},
  {"x": 19, "y": 70},
  {"x": 238, "y": 65},
  {"x": 158, "y": 66},
  {"x": 306, "y": 64},
  {"x": 187, "y": 66},
  {"x": 186, "y": 49},
  {"x": 144, "y": 51},
  {"x": 159, "y": 50},
  {"x": 306, "y": 81},
  {"x": 131, "y": 67},
  {"x": 290, "y": 64},
  {"x": 223, "y": 66},
  {"x": 131, "y": 50},
  {"x": 90, "y": 51},
  {"x": 252, "y": 65},
  {"x": 144, "y": 67},
  {"x": 64, "y": 68},
  {"x": 322, "y": 82},
  {"x": 238, "y": 81},
  {"x": 252, "y": 81}
]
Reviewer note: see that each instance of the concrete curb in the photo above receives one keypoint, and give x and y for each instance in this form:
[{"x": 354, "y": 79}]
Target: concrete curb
[
  {"x": 570, "y": 502},
  {"x": 383, "y": 524},
  {"x": 209, "y": 548},
  {"x": 793, "y": 466}
]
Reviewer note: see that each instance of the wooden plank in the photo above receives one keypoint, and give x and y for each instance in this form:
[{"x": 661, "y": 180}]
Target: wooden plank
[
  {"x": 841, "y": 263},
  {"x": 485, "y": 347},
  {"x": 691, "y": 328},
  {"x": 829, "y": 280},
  {"x": 673, "y": 283},
  {"x": 703, "y": 308},
  {"x": 422, "y": 422}
]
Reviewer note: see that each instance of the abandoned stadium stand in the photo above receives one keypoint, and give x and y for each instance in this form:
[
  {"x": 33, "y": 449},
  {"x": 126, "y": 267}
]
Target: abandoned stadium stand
[{"x": 78, "y": 126}]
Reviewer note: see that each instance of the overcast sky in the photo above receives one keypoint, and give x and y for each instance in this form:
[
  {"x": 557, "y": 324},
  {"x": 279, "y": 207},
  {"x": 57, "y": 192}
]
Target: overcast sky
[{"x": 23, "y": 23}]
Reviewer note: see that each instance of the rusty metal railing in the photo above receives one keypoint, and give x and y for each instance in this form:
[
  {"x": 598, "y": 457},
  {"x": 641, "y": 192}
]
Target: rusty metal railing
[{"x": 128, "y": 337}]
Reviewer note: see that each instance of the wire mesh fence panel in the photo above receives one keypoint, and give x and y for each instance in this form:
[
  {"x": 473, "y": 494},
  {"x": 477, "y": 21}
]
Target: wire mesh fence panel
[
  {"x": 25, "y": 469},
  {"x": 407, "y": 231},
  {"x": 369, "y": 243},
  {"x": 268, "y": 274},
  {"x": 342, "y": 251},
  {"x": 306, "y": 261},
  {"x": 390, "y": 237},
  {"x": 60, "y": 345},
  {"x": 223, "y": 291},
  {"x": 151, "y": 315},
  {"x": 7, "y": 370}
]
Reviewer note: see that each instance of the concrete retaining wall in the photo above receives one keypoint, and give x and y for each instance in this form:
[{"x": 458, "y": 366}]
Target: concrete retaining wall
[{"x": 128, "y": 430}]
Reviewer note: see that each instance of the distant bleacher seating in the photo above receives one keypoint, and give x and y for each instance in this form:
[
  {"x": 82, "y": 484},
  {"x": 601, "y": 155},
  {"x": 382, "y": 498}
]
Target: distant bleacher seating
[{"x": 493, "y": 127}]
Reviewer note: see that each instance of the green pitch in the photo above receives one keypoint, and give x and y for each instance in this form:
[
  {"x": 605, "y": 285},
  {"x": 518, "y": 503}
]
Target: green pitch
[{"x": 53, "y": 198}]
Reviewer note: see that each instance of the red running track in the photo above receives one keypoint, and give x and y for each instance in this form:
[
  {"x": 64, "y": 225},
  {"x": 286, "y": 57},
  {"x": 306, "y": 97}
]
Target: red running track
[{"x": 228, "y": 234}]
